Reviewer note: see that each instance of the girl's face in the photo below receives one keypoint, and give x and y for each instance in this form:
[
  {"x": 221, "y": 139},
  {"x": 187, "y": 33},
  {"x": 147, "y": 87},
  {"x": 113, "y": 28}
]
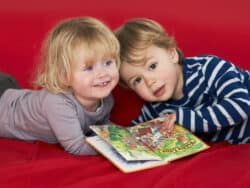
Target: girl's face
[
  {"x": 90, "y": 83},
  {"x": 159, "y": 78}
]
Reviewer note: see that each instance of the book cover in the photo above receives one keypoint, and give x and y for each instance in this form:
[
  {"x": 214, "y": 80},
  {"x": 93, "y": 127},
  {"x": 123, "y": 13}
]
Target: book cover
[{"x": 144, "y": 145}]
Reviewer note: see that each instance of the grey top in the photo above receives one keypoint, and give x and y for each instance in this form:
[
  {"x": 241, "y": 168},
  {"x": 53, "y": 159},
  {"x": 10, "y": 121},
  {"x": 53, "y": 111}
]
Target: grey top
[{"x": 53, "y": 118}]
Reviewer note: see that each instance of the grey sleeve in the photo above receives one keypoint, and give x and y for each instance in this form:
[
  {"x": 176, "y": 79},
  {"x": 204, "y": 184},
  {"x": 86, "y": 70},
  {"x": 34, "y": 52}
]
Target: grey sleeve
[{"x": 63, "y": 120}]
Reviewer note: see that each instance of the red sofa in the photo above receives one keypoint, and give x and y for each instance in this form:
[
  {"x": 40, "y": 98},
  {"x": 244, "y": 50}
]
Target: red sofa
[{"x": 213, "y": 27}]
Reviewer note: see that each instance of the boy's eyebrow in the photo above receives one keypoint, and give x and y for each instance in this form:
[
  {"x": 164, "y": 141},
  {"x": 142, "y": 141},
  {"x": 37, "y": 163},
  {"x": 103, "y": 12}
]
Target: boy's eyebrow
[
  {"x": 145, "y": 61},
  {"x": 149, "y": 57},
  {"x": 131, "y": 78}
]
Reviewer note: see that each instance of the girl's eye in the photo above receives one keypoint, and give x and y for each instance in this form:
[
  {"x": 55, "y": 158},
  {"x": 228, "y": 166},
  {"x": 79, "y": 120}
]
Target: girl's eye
[
  {"x": 108, "y": 63},
  {"x": 153, "y": 66},
  {"x": 136, "y": 81},
  {"x": 89, "y": 68}
]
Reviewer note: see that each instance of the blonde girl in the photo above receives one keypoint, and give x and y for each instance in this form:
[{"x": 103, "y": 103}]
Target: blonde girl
[{"x": 79, "y": 70}]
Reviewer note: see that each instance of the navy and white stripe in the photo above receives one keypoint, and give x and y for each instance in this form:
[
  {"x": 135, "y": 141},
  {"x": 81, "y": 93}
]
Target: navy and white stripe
[{"x": 216, "y": 102}]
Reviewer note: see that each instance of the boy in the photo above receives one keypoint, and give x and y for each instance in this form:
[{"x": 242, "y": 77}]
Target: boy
[{"x": 205, "y": 94}]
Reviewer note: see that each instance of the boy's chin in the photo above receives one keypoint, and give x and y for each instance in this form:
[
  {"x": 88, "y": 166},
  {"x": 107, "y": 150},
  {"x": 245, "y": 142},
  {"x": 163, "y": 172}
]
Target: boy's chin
[{"x": 156, "y": 99}]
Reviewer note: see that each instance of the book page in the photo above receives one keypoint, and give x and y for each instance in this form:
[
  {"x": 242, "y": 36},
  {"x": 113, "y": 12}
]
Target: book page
[
  {"x": 129, "y": 147},
  {"x": 126, "y": 166},
  {"x": 179, "y": 144},
  {"x": 147, "y": 141}
]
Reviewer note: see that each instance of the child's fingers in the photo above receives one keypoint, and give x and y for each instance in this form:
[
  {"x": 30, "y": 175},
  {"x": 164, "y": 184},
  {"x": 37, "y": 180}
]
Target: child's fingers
[
  {"x": 165, "y": 123},
  {"x": 172, "y": 121},
  {"x": 169, "y": 123}
]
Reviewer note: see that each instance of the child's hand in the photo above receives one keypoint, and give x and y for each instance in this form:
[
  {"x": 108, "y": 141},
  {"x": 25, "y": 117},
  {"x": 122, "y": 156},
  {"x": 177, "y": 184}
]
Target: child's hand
[{"x": 168, "y": 124}]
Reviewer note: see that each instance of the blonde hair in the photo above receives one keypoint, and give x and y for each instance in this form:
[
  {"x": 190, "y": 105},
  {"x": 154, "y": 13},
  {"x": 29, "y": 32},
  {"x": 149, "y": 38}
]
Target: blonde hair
[{"x": 98, "y": 41}]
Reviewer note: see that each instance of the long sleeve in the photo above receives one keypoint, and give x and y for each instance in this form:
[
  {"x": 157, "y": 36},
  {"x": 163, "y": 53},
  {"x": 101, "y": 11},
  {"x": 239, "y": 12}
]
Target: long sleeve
[
  {"x": 230, "y": 105},
  {"x": 66, "y": 126},
  {"x": 216, "y": 102}
]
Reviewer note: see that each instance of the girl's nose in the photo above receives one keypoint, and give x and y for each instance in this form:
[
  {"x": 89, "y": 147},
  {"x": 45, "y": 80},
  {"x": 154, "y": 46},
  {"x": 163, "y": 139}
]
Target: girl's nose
[{"x": 100, "y": 71}]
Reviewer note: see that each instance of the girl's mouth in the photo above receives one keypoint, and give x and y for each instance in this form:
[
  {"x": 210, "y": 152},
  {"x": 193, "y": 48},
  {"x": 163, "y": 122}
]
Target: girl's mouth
[{"x": 102, "y": 84}]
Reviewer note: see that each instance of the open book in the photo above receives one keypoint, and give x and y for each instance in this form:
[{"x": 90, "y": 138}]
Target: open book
[{"x": 145, "y": 145}]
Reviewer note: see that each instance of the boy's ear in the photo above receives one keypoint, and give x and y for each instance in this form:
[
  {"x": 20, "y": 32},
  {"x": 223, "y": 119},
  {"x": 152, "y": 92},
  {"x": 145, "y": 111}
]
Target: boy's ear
[{"x": 174, "y": 55}]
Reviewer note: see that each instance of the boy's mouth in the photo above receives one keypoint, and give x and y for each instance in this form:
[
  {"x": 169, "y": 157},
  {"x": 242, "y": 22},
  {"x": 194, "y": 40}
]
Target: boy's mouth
[{"x": 160, "y": 91}]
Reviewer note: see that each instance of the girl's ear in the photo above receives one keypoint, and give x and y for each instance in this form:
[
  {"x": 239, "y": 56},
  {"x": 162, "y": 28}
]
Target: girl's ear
[
  {"x": 64, "y": 80},
  {"x": 174, "y": 55}
]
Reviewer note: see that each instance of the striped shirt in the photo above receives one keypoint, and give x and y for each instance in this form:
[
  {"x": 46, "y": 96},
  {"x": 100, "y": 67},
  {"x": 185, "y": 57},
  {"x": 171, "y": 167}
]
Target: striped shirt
[{"x": 216, "y": 101}]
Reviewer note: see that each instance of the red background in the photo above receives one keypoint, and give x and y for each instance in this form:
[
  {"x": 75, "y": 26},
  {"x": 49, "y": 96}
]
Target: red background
[
  {"x": 200, "y": 27},
  {"x": 219, "y": 27}
]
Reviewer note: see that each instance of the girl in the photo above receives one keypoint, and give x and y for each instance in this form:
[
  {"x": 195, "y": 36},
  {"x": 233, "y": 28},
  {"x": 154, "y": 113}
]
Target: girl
[{"x": 78, "y": 72}]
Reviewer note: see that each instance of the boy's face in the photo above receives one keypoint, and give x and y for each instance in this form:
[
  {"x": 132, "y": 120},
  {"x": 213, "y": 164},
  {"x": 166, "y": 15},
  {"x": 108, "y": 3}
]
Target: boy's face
[
  {"x": 159, "y": 78},
  {"x": 90, "y": 83}
]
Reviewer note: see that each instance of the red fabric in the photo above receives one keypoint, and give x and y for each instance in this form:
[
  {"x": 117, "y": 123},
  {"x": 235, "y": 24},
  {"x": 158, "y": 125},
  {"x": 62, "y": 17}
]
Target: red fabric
[
  {"x": 29, "y": 165},
  {"x": 213, "y": 27}
]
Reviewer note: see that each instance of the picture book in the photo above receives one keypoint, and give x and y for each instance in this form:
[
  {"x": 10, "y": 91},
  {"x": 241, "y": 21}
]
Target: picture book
[{"x": 145, "y": 145}]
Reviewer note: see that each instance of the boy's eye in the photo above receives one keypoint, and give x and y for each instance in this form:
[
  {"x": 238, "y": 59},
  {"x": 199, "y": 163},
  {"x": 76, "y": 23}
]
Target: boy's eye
[
  {"x": 136, "y": 81},
  {"x": 153, "y": 66},
  {"x": 89, "y": 68}
]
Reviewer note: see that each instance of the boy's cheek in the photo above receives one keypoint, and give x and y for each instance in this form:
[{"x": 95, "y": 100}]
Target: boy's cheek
[{"x": 142, "y": 94}]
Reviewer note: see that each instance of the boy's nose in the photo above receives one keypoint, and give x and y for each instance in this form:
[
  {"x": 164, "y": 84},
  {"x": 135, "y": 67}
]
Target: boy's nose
[{"x": 150, "y": 81}]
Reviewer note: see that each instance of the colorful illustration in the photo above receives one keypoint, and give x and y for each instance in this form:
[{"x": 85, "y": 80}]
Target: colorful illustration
[{"x": 147, "y": 141}]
